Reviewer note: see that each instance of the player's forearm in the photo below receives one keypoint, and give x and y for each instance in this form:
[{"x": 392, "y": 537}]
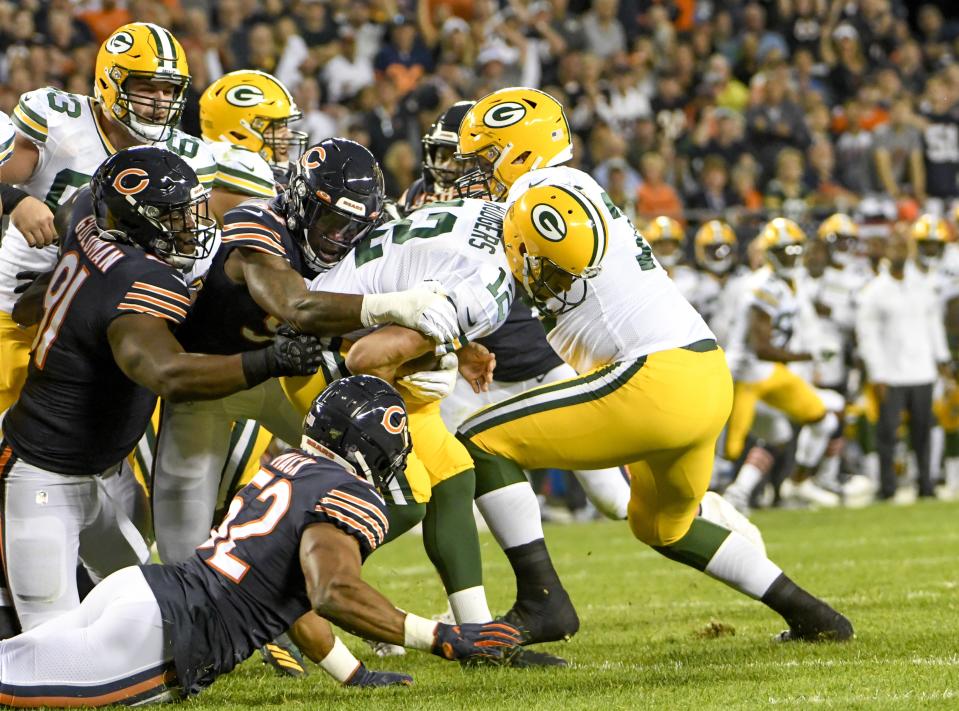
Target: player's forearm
[
  {"x": 779, "y": 355},
  {"x": 192, "y": 376},
  {"x": 324, "y": 313},
  {"x": 356, "y": 607}
]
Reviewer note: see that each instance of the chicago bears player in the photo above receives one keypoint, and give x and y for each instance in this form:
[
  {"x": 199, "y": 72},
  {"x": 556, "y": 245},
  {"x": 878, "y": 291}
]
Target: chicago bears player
[
  {"x": 440, "y": 167},
  {"x": 103, "y": 353},
  {"x": 290, "y": 547},
  {"x": 640, "y": 348}
]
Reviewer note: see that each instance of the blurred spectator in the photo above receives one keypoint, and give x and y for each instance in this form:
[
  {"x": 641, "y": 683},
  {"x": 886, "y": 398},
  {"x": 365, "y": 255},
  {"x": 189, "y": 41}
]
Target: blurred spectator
[
  {"x": 103, "y": 20},
  {"x": 715, "y": 195},
  {"x": 404, "y": 58},
  {"x": 842, "y": 53},
  {"x": 774, "y": 123},
  {"x": 348, "y": 71},
  {"x": 786, "y": 192},
  {"x": 604, "y": 33},
  {"x": 400, "y": 168},
  {"x": 727, "y": 91},
  {"x": 621, "y": 185},
  {"x": 744, "y": 181},
  {"x": 655, "y": 196},
  {"x": 317, "y": 123},
  {"x": 940, "y": 142},
  {"x": 898, "y": 151},
  {"x": 718, "y": 133},
  {"x": 826, "y": 191},
  {"x": 854, "y": 152}
]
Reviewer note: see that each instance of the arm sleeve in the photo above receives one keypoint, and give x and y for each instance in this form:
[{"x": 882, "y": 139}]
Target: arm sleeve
[
  {"x": 483, "y": 302},
  {"x": 30, "y": 117},
  {"x": 242, "y": 171},
  {"x": 202, "y": 161},
  {"x": 937, "y": 331},
  {"x": 245, "y": 226},
  {"x": 7, "y": 136},
  {"x": 869, "y": 336},
  {"x": 355, "y": 509},
  {"x": 160, "y": 293}
]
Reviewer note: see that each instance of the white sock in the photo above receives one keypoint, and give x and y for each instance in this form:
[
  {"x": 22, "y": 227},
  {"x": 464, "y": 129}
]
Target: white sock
[
  {"x": 937, "y": 445},
  {"x": 952, "y": 473},
  {"x": 870, "y": 466},
  {"x": 742, "y": 566},
  {"x": 748, "y": 478},
  {"x": 828, "y": 473},
  {"x": 512, "y": 514},
  {"x": 340, "y": 662},
  {"x": 813, "y": 440},
  {"x": 470, "y": 605},
  {"x": 607, "y": 489}
]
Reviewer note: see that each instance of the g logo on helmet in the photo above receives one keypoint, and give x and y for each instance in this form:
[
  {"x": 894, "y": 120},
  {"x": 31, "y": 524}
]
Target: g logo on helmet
[
  {"x": 314, "y": 157},
  {"x": 505, "y": 114},
  {"x": 394, "y": 419},
  {"x": 548, "y": 222},
  {"x": 131, "y": 181},
  {"x": 119, "y": 43},
  {"x": 244, "y": 95}
]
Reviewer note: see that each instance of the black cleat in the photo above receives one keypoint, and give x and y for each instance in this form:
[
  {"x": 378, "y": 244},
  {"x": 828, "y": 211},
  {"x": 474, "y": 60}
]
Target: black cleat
[
  {"x": 284, "y": 657},
  {"x": 550, "y": 619},
  {"x": 821, "y": 625}
]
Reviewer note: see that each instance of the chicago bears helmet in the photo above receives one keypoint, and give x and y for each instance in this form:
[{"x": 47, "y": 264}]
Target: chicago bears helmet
[
  {"x": 362, "y": 420},
  {"x": 336, "y": 195},
  {"x": 150, "y": 197},
  {"x": 439, "y": 146}
]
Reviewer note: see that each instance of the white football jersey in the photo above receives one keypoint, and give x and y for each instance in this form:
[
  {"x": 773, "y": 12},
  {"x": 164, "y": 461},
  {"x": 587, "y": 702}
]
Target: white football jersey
[
  {"x": 7, "y": 135},
  {"x": 631, "y": 308},
  {"x": 720, "y": 302},
  {"x": 72, "y": 146},
  {"x": 457, "y": 243},
  {"x": 825, "y": 334},
  {"x": 686, "y": 280},
  {"x": 242, "y": 171},
  {"x": 770, "y": 293}
]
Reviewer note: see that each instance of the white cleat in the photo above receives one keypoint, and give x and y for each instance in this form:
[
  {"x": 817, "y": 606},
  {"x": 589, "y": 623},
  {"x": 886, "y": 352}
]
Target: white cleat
[
  {"x": 858, "y": 491},
  {"x": 810, "y": 493},
  {"x": 385, "y": 649},
  {"x": 447, "y": 617},
  {"x": 717, "y": 509}
]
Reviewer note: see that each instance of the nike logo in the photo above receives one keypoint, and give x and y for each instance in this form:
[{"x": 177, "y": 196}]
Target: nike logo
[
  {"x": 470, "y": 321},
  {"x": 258, "y": 213}
]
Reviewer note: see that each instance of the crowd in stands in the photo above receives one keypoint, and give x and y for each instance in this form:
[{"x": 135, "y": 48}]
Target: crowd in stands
[{"x": 688, "y": 108}]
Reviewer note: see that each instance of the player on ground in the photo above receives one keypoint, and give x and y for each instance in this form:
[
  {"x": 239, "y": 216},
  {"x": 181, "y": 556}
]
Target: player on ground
[
  {"x": 641, "y": 348},
  {"x": 103, "y": 353},
  {"x": 293, "y": 543}
]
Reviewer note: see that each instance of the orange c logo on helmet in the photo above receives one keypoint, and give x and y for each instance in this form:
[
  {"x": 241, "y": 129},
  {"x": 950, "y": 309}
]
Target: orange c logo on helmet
[
  {"x": 125, "y": 187},
  {"x": 314, "y": 157},
  {"x": 388, "y": 419}
]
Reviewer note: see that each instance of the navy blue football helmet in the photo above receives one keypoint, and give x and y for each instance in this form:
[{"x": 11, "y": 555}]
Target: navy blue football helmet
[
  {"x": 335, "y": 196},
  {"x": 150, "y": 197},
  {"x": 439, "y": 146},
  {"x": 361, "y": 419}
]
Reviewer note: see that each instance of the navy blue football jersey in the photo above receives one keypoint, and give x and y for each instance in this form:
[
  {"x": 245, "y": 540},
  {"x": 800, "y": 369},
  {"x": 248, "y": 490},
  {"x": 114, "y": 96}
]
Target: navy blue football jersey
[
  {"x": 423, "y": 192},
  {"x": 245, "y": 586},
  {"x": 78, "y": 413},
  {"x": 225, "y": 319}
]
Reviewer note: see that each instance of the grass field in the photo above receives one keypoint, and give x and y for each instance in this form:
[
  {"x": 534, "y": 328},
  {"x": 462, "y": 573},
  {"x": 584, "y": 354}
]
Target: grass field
[{"x": 645, "y": 640}]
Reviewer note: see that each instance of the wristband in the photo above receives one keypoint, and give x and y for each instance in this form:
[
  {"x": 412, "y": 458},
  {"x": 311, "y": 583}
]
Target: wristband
[
  {"x": 257, "y": 367},
  {"x": 340, "y": 662},
  {"x": 375, "y": 309},
  {"x": 11, "y": 197},
  {"x": 419, "y": 633}
]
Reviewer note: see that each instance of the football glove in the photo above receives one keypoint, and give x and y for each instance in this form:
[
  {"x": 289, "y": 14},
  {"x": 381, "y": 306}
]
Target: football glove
[
  {"x": 490, "y": 641},
  {"x": 425, "y": 308},
  {"x": 290, "y": 353},
  {"x": 364, "y": 678},
  {"x": 429, "y": 385}
]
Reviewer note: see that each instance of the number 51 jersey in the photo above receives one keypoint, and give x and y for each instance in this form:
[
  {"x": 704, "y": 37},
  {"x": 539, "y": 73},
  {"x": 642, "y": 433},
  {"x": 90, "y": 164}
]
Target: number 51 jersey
[
  {"x": 457, "y": 243},
  {"x": 72, "y": 145}
]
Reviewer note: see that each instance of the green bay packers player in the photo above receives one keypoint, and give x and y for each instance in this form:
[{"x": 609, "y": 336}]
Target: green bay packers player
[
  {"x": 654, "y": 390},
  {"x": 667, "y": 238},
  {"x": 714, "y": 245}
]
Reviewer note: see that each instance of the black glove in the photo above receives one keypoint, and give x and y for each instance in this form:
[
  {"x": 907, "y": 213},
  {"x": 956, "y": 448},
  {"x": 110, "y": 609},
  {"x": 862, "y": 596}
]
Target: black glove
[
  {"x": 26, "y": 280},
  {"x": 291, "y": 353},
  {"x": 366, "y": 678},
  {"x": 493, "y": 641}
]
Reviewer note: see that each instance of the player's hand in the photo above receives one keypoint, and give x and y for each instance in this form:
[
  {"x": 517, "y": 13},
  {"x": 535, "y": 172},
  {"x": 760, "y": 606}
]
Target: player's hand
[
  {"x": 26, "y": 279},
  {"x": 476, "y": 363},
  {"x": 491, "y": 641},
  {"x": 293, "y": 353},
  {"x": 429, "y": 385},
  {"x": 364, "y": 678},
  {"x": 425, "y": 308},
  {"x": 35, "y": 222}
]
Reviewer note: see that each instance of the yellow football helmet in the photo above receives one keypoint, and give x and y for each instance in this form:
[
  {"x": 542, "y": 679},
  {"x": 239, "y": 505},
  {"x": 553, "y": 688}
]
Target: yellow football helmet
[
  {"x": 142, "y": 50},
  {"x": 554, "y": 237},
  {"x": 252, "y": 109},
  {"x": 783, "y": 243},
  {"x": 715, "y": 245},
  {"x": 841, "y": 234},
  {"x": 509, "y": 133},
  {"x": 667, "y": 239},
  {"x": 930, "y": 235}
]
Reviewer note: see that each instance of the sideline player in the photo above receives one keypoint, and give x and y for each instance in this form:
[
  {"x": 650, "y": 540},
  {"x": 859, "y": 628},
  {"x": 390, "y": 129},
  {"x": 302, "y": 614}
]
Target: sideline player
[
  {"x": 654, "y": 389},
  {"x": 667, "y": 238},
  {"x": 293, "y": 543},
  {"x": 103, "y": 353}
]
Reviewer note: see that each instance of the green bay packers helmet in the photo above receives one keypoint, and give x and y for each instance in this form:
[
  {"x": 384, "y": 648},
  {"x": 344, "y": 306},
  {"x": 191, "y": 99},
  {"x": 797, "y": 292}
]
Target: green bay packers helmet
[
  {"x": 253, "y": 110},
  {"x": 555, "y": 237},
  {"x": 667, "y": 239},
  {"x": 715, "y": 245},
  {"x": 508, "y": 133},
  {"x": 930, "y": 234},
  {"x": 142, "y": 50},
  {"x": 841, "y": 235},
  {"x": 783, "y": 243}
]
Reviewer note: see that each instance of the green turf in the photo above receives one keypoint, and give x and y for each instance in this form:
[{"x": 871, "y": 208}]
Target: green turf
[{"x": 645, "y": 640}]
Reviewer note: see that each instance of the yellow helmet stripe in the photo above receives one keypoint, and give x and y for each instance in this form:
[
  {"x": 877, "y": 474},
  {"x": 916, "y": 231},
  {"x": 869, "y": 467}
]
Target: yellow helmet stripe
[{"x": 599, "y": 226}]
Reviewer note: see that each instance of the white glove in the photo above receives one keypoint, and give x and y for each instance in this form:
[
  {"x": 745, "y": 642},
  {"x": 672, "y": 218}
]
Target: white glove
[
  {"x": 425, "y": 308},
  {"x": 436, "y": 384}
]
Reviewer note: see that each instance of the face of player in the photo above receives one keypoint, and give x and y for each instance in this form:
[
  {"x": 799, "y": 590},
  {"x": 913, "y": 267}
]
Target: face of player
[
  {"x": 150, "y": 100},
  {"x": 929, "y": 251},
  {"x": 279, "y": 138},
  {"x": 816, "y": 258},
  {"x": 667, "y": 251},
  {"x": 332, "y": 235}
]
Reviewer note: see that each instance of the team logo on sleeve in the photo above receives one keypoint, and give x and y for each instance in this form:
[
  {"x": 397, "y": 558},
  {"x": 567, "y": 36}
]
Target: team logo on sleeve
[
  {"x": 119, "y": 43},
  {"x": 394, "y": 419},
  {"x": 505, "y": 114},
  {"x": 131, "y": 181},
  {"x": 548, "y": 222},
  {"x": 245, "y": 95}
]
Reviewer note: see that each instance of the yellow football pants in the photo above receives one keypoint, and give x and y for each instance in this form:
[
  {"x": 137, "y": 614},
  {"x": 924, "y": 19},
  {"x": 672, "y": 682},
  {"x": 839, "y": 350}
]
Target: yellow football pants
[
  {"x": 660, "y": 415},
  {"x": 783, "y": 390},
  {"x": 15, "y": 345}
]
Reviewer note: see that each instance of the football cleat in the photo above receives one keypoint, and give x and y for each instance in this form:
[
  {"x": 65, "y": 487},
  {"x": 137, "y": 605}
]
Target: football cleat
[
  {"x": 284, "y": 657},
  {"x": 550, "y": 619},
  {"x": 810, "y": 493},
  {"x": 364, "y": 678},
  {"x": 823, "y": 624},
  {"x": 385, "y": 649}
]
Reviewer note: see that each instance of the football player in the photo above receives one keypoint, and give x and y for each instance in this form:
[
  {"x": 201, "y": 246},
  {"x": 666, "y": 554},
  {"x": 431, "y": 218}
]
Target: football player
[
  {"x": 293, "y": 543},
  {"x": 103, "y": 353},
  {"x": 715, "y": 248},
  {"x": 654, "y": 390},
  {"x": 667, "y": 238},
  {"x": 440, "y": 167}
]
